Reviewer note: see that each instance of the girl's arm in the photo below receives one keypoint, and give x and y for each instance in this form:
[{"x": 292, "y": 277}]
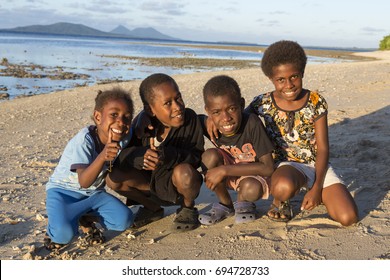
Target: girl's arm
[
  {"x": 210, "y": 128},
  {"x": 249, "y": 110},
  {"x": 313, "y": 197}
]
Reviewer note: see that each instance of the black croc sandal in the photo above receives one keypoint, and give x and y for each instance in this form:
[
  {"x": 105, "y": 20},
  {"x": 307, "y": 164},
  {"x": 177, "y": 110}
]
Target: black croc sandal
[{"x": 186, "y": 219}]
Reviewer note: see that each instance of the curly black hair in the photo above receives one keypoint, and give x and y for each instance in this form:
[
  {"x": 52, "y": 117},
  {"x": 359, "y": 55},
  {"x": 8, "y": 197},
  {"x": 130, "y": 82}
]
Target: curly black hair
[
  {"x": 283, "y": 52},
  {"x": 116, "y": 93},
  {"x": 147, "y": 85},
  {"x": 221, "y": 85}
]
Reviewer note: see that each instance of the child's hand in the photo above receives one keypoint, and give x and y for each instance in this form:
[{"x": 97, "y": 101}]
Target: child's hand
[
  {"x": 311, "y": 199},
  {"x": 214, "y": 176},
  {"x": 151, "y": 157},
  {"x": 143, "y": 125},
  {"x": 211, "y": 130},
  {"x": 111, "y": 148}
]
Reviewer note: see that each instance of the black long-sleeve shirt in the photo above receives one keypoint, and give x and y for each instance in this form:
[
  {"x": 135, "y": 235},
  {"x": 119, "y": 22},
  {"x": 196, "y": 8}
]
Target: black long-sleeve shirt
[{"x": 184, "y": 144}]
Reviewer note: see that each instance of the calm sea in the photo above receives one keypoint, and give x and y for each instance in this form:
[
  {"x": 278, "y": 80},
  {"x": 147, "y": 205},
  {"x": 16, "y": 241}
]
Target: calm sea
[{"x": 83, "y": 55}]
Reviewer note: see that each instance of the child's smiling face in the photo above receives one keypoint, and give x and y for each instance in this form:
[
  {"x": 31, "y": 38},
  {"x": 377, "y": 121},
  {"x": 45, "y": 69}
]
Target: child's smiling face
[
  {"x": 167, "y": 105},
  {"x": 287, "y": 80},
  {"x": 226, "y": 113},
  {"x": 114, "y": 119}
]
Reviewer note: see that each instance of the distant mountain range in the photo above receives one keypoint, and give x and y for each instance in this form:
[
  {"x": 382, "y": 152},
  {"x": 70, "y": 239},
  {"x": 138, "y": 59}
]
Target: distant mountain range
[{"x": 65, "y": 28}]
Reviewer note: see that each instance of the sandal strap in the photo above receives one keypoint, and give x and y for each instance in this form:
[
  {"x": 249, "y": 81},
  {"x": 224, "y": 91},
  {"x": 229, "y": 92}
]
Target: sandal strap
[
  {"x": 284, "y": 209},
  {"x": 95, "y": 236}
]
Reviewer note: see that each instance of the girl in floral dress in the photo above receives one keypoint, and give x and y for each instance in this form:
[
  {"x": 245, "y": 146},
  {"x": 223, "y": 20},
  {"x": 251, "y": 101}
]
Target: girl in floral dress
[{"x": 296, "y": 122}]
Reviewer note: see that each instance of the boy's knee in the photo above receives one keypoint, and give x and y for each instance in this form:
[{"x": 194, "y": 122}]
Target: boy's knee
[
  {"x": 250, "y": 190},
  {"x": 211, "y": 158},
  {"x": 186, "y": 179},
  {"x": 123, "y": 225},
  {"x": 121, "y": 221},
  {"x": 184, "y": 172},
  {"x": 61, "y": 234}
]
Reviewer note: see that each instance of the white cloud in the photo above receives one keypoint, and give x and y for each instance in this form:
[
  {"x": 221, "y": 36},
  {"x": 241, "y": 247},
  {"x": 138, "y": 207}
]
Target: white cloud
[
  {"x": 170, "y": 8},
  {"x": 373, "y": 30}
]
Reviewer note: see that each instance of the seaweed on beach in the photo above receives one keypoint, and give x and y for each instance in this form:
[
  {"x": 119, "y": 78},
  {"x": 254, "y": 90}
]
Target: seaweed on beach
[
  {"x": 188, "y": 62},
  {"x": 37, "y": 71}
]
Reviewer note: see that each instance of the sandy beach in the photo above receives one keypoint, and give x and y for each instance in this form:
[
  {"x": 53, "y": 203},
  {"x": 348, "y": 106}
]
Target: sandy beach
[{"x": 35, "y": 130}]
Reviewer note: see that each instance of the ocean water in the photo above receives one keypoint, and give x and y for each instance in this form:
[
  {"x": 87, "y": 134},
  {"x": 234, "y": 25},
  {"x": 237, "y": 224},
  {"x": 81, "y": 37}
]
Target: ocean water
[{"x": 84, "y": 55}]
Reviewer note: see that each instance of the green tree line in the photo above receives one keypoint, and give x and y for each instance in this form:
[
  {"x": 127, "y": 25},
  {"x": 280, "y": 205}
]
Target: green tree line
[{"x": 385, "y": 43}]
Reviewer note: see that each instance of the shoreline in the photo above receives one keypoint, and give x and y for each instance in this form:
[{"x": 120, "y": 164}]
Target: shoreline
[
  {"x": 339, "y": 54},
  {"x": 35, "y": 131},
  {"x": 186, "y": 63}
]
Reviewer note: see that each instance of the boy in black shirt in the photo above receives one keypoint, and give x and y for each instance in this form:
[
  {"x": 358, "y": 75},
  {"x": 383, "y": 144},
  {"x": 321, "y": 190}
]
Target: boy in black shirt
[{"x": 161, "y": 169}]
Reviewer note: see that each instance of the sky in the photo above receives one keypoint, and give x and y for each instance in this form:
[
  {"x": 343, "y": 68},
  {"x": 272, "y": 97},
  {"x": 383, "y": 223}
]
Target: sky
[{"x": 326, "y": 23}]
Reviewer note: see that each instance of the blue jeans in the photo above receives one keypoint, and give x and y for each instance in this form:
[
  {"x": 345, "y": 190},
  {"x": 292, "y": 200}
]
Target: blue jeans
[{"x": 64, "y": 208}]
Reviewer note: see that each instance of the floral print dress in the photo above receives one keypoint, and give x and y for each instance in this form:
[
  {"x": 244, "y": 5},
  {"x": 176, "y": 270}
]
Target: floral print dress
[{"x": 293, "y": 132}]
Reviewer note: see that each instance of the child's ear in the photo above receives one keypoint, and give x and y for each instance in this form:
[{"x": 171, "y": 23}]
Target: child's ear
[
  {"x": 97, "y": 117},
  {"x": 242, "y": 103},
  {"x": 149, "y": 110}
]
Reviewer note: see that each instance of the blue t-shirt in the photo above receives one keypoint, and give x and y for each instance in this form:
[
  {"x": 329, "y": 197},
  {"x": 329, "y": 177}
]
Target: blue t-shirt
[{"x": 80, "y": 152}]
